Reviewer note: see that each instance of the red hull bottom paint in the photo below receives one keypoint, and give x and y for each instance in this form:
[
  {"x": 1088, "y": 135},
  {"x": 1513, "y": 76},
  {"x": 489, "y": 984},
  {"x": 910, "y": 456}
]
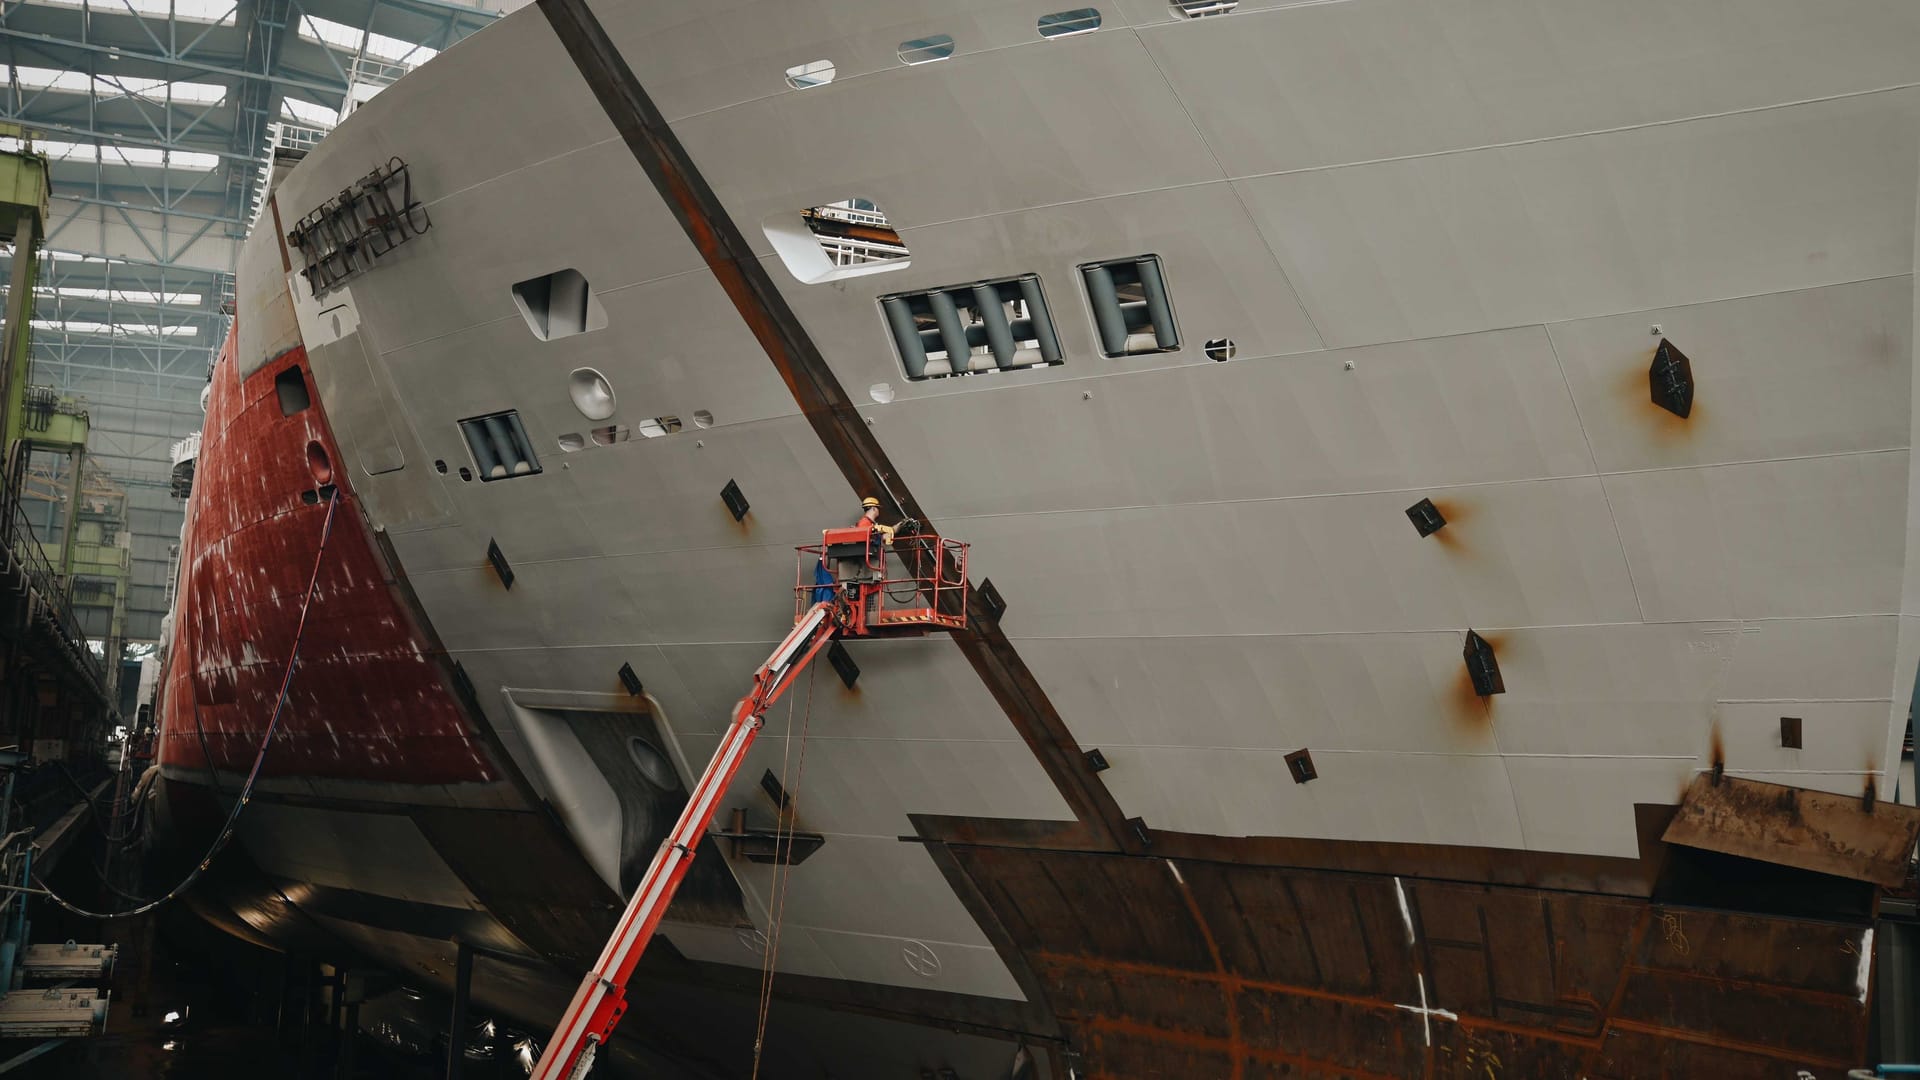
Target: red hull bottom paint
[{"x": 369, "y": 702}]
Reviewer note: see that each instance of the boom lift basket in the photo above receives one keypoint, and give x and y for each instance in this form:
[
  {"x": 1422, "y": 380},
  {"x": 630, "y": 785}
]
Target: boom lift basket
[{"x": 915, "y": 585}]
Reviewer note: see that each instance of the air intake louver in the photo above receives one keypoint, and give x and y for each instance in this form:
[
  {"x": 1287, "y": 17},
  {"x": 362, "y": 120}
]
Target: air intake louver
[
  {"x": 500, "y": 446},
  {"x": 1130, "y": 306},
  {"x": 993, "y": 325}
]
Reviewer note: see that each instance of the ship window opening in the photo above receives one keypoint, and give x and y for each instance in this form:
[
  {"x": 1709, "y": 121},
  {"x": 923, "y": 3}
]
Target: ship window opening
[
  {"x": 1790, "y": 733},
  {"x": 1195, "y": 9},
  {"x": 1069, "y": 23},
  {"x": 572, "y": 442},
  {"x": 310, "y": 497},
  {"x": 440, "y": 467},
  {"x": 558, "y": 305},
  {"x": 612, "y": 433},
  {"x": 318, "y": 464},
  {"x": 291, "y": 387},
  {"x": 592, "y": 394},
  {"x": 658, "y": 426},
  {"x": 881, "y": 392},
  {"x": 836, "y": 240},
  {"x": 927, "y": 49},
  {"x": 1300, "y": 764},
  {"x": 1130, "y": 306},
  {"x": 702, "y": 418},
  {"x": 500, "y": 446},
  {"x": 1221, "y": 349},
  {"x": 811, "y": 73},
  {"x": 466, "y": 473},
  {"x": 973, "y": 329}
]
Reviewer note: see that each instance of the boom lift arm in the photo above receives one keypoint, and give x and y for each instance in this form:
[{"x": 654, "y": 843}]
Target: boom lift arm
[
  {"x": 929, "y": 595},
  {"x": 601, "y": 1000}
]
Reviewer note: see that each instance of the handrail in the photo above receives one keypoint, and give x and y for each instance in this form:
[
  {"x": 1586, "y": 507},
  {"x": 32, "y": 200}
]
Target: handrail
[
  {"x": 939, "y": 586},
  {"x": 20, "y": 537}
]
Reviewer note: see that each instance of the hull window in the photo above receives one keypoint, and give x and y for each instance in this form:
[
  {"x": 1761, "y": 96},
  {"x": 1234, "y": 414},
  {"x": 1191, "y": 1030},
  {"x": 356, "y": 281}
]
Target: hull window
[
  {"x": 836, "y": 240},
  {"x": 1130, "y": 306},
  {"x": 972, "y": 329},
  {"x": 291, "y": 386},
  {"x": 558, "y": 305},
  {"x": 811, "y": 73},
  {"x": 1069, "y": 23},
  {"x": 500, "y": 446},
  {"x": 1194, "y": 9},
  {"x": 658, "y": 426},
  {"x": 926, "y": 50}
]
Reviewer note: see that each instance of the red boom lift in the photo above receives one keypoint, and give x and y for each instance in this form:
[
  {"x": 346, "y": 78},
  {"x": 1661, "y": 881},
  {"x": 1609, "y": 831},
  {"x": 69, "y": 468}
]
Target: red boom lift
[{"x": 859, "y": 600}]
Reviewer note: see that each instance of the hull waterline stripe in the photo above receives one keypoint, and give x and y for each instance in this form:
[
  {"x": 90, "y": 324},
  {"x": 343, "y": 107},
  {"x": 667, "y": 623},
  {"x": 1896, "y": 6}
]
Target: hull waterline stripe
[{"x": 820, "y": 396}]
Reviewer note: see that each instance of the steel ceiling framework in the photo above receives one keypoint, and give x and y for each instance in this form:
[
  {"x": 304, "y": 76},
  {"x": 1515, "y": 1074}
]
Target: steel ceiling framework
[
  {"x": 164, "y": 112},
  {"x": 161, "y": 238}
]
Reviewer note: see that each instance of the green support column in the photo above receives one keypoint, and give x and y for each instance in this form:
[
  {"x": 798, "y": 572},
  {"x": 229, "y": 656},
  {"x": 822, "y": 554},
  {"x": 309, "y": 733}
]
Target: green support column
[{"x": 23, "y": 215}]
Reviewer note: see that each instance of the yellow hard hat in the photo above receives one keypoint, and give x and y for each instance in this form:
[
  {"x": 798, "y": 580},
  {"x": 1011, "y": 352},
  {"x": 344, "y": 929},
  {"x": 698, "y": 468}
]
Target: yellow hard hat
[{"x": 869, "y": 501}]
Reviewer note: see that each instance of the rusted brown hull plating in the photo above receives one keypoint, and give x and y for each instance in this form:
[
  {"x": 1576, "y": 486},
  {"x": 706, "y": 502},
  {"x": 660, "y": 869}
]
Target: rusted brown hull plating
[{"x": 1163, "y": 968}]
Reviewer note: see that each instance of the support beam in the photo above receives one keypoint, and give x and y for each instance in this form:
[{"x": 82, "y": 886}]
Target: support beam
[{"x": 462, "y": 990}]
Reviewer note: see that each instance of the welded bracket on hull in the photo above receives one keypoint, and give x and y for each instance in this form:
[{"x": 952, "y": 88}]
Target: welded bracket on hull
[
  {"x": 349, "y": 232},
  {"x": 1842, "y": 835}
]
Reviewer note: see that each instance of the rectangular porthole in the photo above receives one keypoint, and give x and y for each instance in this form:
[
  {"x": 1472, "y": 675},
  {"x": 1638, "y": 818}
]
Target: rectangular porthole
[
  {"x": 1130, "y": 306},
  {"x": 291, "y": 387},
  {"x": 558, "y": 305},
  {"x": 971, "y": 329},
  {"x": 500, "y": 446},
  {"x": 836, "y": 240}
]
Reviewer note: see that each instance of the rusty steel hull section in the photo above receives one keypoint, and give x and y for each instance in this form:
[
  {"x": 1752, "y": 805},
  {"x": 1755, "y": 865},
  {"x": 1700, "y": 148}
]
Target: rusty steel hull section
[
  {"x": 1855, "y": 838},
  {"x": 1163, "y": 968}
]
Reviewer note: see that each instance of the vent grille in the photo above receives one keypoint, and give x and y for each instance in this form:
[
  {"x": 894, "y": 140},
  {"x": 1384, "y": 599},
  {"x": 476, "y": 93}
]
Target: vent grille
[
  {"x": 966, "y": 329},
  {"x": 1130, "y": 306},
  {"x": 500, "y": 446}
]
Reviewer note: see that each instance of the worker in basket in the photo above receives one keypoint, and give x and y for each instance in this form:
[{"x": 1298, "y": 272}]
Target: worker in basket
[{"x": 854, "y": 566}]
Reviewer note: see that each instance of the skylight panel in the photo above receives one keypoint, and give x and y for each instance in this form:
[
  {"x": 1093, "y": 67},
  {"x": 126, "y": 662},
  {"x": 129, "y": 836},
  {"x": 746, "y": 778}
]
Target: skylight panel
[
  {"x": 116, "y": 329},
  {"x": 118, "y": 155},
  {"x": 201, "y": 11},
  {"x": 118, "y": 296},
  {"x": 307, "y": 112},
  {"x": 405, "y": 52},
  {"x": 115, "y": 86},
  {"x": 354, "y": 40},
  {"x": 328, "y": 32}
]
